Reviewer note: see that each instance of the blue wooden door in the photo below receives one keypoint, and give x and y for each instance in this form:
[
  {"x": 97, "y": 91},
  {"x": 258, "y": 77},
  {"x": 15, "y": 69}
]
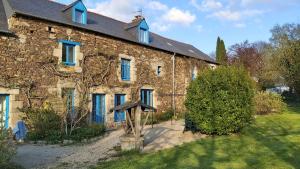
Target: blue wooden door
[
  {"x": 119, "y": 100},
  {"x": 4, "y": 111},
  {"x": 99, "y": 108}
]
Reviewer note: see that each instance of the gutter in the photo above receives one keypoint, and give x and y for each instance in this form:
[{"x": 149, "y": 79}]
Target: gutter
[{"x": 173, "y": 90}]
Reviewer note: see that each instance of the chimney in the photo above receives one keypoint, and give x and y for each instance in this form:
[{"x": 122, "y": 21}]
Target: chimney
[{"x": 138, "y": 18}]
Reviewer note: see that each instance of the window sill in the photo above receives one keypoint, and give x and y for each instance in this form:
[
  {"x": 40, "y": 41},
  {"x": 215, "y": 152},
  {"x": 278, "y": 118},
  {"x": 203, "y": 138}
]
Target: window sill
[{"x": 69, "y": 64}]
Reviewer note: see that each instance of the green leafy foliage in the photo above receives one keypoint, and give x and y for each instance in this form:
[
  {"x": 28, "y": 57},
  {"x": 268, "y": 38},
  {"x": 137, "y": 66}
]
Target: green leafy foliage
[
  {"x": 87, "y": 132},
  {"x": 286, "y": 48},
  {"x": 266, "y": 103},
  {"x": 45, "y": 124},
  {"x": 221, "y": 56},
  {"x": 7, "y": 149},
  {"x": 220, "y": 101},
  {"x": 42, "y": 122}
]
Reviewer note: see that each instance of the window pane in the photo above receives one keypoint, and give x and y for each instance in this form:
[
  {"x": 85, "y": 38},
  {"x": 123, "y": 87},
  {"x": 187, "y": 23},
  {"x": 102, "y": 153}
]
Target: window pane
[
  {"x": 78, "y": 16},
  {"x": 125, "y": 69},
  {"x": 64, "y": 53},
  {"x": 147, "y": 97},
  {"x": 71, "y": 54}
]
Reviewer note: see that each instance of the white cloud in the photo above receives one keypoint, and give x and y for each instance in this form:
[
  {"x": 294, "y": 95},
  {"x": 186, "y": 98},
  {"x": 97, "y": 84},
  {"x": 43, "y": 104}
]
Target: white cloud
[
  {"x": 240, "y": 25},
  {"x": 178, "y": 16},
  {"x": 156, "y": 5},
  {"x": 226, "y": 15},
  {"x": 161, "y": 27},
  {"x": 230, "y": 15},
  {"x": 199, "y": 28},
  {"x": 207, "y": 5},
  {"x": 123, "y": 10}
]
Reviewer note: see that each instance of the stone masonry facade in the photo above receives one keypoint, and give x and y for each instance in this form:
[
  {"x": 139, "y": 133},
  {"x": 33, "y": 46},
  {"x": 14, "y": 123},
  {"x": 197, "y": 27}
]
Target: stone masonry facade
[{"x": 32, "y": 73}]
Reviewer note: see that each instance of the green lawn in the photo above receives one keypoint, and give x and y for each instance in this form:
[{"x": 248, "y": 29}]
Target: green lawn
[{"x": 271, "y": 142}]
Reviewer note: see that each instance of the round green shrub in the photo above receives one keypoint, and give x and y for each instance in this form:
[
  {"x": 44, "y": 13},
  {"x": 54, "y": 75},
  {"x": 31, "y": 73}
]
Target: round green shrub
[
  {"x": 266, "y": 103},
  {"x": 220, "y": 101}
]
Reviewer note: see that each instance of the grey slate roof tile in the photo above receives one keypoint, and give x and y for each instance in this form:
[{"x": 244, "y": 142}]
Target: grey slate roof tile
[
  {"x": 3, "y": 19},
  {"x": 52, "y": 11}
]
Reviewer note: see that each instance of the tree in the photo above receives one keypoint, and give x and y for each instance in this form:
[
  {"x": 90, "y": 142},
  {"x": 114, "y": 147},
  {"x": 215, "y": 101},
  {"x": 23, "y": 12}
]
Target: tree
[
  {"x": 221, "y": 56},
  {"x": 247, "y": 55},
  {"x": 286, "y": 49},
  {"x": 220, "y": 101}
]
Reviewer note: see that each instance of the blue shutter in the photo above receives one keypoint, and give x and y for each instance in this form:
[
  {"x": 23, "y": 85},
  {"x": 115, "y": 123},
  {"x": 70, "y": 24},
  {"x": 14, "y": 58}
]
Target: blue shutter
[
  {"x": 103, "y": 109},
  {"x": 98, "y": 115},
  {"x": 142, "y": 96},
  {"x": 99, "y": 108},
  {"x": 116, "y": 113},
  {"x": 151, "y": 98},
  {"x": 122, "y": 69},
  {"x": 122, "y": 113},
  {"x": 125, "y": 69},
  {"x": 7, "y": 113},
  {"x": 148, "y": 97},
  {"x": 119, "y": 100}
]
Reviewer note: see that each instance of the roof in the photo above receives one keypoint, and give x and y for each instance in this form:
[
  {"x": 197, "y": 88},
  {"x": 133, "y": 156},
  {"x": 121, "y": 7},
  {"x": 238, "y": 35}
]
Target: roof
[
  {"x": 129, "y": 105},
  {"x": 53, "y": 11},
  {"x": 3, "y": 19}
]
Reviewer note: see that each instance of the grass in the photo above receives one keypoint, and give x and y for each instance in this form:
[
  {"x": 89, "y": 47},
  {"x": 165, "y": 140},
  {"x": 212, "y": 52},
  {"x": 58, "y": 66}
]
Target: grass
[{"x": 272, "y": 142}]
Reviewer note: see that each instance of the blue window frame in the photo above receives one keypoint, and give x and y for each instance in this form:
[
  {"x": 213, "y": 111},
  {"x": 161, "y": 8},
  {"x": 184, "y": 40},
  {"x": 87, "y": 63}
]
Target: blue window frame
[
  {"x": 79, "y": 13},
  {"x": 68, "y": 54},
  {"x": 79, "y": 16},
  {"x": 119, "y": 100},
  {"x": 125, "y": 69},
  {"x": 147, "y": 97},
  {"x": 193, "y": 74},
  {"x": 98, "y": 115},
  {"x": 144, "y": 35},
  {"x": 4, "y": 111},
  {"x": 69, "y": 95}
]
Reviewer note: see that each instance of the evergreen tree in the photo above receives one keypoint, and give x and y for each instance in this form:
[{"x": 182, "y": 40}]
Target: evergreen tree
[{"x": 221, "y": 56}]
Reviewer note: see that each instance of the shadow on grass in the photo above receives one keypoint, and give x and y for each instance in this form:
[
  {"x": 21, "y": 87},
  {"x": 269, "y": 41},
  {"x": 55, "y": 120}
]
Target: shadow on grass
[{"x": 275, "y": 140}]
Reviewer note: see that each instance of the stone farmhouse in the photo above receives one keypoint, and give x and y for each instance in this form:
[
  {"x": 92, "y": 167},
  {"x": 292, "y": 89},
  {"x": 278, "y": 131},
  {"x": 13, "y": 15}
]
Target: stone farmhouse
[{"x": 73, "y": 59}]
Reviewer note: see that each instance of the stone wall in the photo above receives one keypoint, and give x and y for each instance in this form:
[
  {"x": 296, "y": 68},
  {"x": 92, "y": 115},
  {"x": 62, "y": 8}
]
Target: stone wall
[{"x": 30, "y": 63}]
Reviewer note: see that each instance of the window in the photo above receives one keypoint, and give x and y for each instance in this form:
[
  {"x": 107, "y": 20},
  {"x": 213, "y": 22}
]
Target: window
[
  {"x": 98, "y": 114},
  {"x": 158, "y": 70},
  {"x": 144, "y": 38},
  {"x": 119, "y": 100},
  {"x": 68, "y": 54},
  {"x": 125, "y": 69},
  {"x": 194, "y": 74},
  {"x": 4, "y": 111},
  {"x": 79, "y": 16},
  {"x": 68, "y": 94},
  {"x": 147, "y": 97}
]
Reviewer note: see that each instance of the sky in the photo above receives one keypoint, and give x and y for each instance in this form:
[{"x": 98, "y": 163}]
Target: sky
[{"x": 200, "y": 22}]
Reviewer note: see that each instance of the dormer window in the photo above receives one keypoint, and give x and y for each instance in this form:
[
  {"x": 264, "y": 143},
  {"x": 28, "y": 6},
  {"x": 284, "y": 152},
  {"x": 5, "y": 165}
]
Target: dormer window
[
  {"x": 77, "y": 12},
  {"x": 144, "y": 35},
  {"x": 79, "y": 16}
]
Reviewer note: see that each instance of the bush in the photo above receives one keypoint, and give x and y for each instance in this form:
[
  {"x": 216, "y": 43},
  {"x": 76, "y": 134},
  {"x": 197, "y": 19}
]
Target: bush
[
  {"x": 41, "y": 121},
  {"x": 45, "y": 124},
  {"x": 266, "y": 103},
  {"x": 220, "y": 101},
  {"x": 88, "y": 132},
  {"x": 7, "y": 149},
  {"x": 165, "y": 116}
]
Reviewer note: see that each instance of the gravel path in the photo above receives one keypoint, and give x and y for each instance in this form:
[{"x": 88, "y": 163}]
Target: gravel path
[
  {"x": 75, "y": 156},
  {"x": 164, "y": 135}
]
